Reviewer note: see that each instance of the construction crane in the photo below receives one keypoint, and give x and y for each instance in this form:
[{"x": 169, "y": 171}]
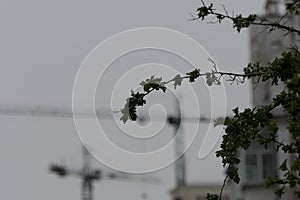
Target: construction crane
[
  {"x": 92, "y": 175},
  {"x": 86, "y": 174}
]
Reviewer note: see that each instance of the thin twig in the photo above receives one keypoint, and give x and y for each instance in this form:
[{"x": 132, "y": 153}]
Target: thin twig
[
  {"x": 263, "y": 22},
  {"x": 223, "y": 186}
]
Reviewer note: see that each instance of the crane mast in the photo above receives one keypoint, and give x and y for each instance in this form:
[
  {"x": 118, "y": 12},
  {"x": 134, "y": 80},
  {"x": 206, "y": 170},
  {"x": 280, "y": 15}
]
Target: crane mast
[
  {"x": 175, "y": 121},
  {"x": 87, "y": 174},
  {"x": 87, "y": 187}
]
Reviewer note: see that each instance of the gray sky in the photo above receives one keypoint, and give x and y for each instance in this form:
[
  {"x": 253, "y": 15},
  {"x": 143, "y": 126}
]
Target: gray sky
[{"x": 43, "y": 43}]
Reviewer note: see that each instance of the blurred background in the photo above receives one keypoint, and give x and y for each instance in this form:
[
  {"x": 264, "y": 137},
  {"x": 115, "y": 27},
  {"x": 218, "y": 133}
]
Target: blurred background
[{"x": 43, "y": 44}]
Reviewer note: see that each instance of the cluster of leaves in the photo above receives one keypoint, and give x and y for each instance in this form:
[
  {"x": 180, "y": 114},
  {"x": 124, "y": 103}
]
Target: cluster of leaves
[
  {"x": 293, "y": 7},
  {"x": 137, "y": 98},
  {"x": 280, "y": 69},
  {"x": 246, "y": 126},
  {"x": 152, "y": 84},
  {"x": 252, "y": 123},
  {"x": 239, "y": 22}
]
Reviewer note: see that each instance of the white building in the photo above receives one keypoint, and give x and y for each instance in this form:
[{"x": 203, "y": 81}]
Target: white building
[{"x": 258, "y": 163}]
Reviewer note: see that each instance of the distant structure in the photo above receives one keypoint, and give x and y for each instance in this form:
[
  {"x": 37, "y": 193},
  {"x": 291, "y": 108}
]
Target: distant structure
[
  {"x": 258, "y": 163},
  {"x": 48, "y": 111},
  {"x": 175, "y": 121},
  {"x": 183, "y": 190},
  {"x": 86, "y": 174}
]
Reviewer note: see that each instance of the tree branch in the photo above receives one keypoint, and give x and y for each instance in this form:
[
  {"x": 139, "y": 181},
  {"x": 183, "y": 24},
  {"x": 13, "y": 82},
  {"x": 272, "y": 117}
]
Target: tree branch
[{"x": 240, "y": 22}]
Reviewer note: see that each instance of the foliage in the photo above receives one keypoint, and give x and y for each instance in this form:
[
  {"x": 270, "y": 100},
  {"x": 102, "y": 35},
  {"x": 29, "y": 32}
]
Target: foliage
[
  {"x": 239, "y": 22},
  {"x": 250, "y": 124}
]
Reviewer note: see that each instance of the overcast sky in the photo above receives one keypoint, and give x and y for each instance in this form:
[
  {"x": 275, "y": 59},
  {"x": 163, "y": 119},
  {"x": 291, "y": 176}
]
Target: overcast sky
[{"x": 42, "y": 46}]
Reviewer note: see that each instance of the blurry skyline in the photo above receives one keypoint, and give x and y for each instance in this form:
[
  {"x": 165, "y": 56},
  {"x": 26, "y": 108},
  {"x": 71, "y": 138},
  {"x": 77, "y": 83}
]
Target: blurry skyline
[{"x": 43, "y": 43}]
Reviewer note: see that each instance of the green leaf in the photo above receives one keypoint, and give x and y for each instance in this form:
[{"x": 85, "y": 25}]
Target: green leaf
[
  {"x": 193, "y": 75},
  {"x": 177, "y": 80},
  {"x": 212, "y": 196},
  {"x": 283, "y": 166},
  {"x": 219, "y": 121}
]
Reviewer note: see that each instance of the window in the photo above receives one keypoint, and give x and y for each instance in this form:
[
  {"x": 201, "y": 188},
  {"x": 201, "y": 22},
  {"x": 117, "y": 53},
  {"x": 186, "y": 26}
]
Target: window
[
  {"x": 259, "y": 163},
  {"x": 276, "y": 44},
  {"x": 251, "y": 167}
]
